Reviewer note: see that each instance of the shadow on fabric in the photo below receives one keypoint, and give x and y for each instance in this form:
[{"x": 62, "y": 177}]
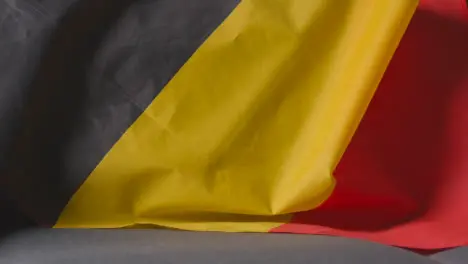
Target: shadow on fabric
[
  {"x": 402, "y": 180},
  {"x": 55, "y": 100}
]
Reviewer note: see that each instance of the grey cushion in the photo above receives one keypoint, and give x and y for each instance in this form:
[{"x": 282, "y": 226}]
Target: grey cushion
[
  {"x": 48, "y": 246},
  {"x": 453, "y": 256}
]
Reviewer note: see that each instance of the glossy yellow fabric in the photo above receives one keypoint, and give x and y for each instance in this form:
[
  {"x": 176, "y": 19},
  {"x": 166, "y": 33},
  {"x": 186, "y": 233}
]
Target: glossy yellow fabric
[{"x": 253, "y": 125}]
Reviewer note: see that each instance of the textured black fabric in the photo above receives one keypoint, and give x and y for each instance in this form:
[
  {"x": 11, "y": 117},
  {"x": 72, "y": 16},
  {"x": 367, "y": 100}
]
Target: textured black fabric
[
  {"x": 74, "y": 75},
  {"x": 157, "y": 246},
  {"x": 11, "y": 219},
  {"x": 25, "y": 28}
]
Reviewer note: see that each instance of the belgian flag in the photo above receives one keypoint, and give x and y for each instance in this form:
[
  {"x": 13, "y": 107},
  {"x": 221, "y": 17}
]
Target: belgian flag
[{"x": 202, "y": 115}]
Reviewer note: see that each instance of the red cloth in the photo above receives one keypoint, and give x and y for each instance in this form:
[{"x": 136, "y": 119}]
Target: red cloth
[{"x": 404, "y": 178}]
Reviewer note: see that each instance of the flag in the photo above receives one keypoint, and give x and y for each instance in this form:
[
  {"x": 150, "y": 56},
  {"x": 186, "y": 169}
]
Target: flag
[
  {"x": 198, "y": 115},
  {"x": 250, "y": 128},
  {"x": 402, "y": 180}
]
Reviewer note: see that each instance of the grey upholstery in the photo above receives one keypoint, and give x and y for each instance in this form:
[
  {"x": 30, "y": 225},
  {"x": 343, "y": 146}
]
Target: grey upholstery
[
  {"x": 453, "y": 256},
  {"x": 48, "y": 246}
]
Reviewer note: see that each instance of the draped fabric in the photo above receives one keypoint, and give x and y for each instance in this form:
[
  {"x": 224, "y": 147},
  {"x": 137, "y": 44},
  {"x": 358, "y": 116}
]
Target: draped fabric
[
  {"x": 250, "y": 128},
  {"x": 238, "y": 116},
  {"x": 402, "y": 180}
]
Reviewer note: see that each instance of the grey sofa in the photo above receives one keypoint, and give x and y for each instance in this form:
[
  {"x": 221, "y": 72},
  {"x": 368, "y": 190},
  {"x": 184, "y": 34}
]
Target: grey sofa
[{"x": 54, "y": 246}]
